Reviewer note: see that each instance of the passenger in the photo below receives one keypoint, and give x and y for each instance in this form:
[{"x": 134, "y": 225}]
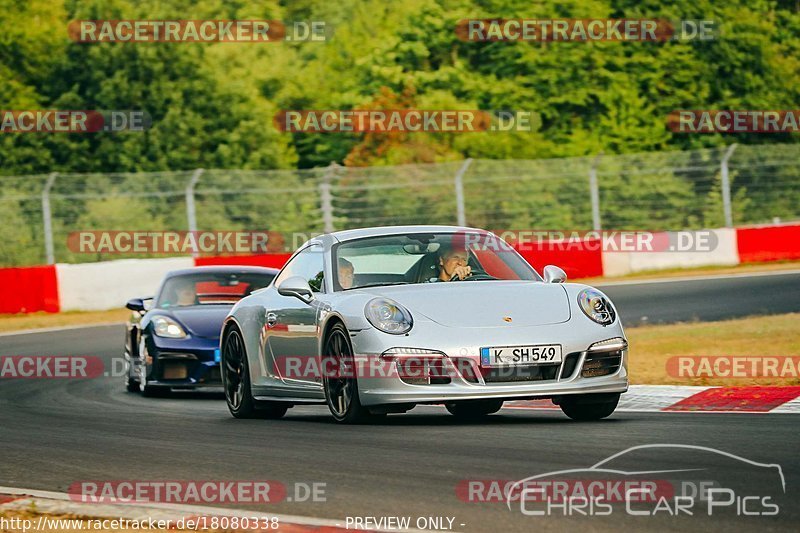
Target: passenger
[
  {"x": 185, "y": 292},
  {"x": 346, "y": 273}
]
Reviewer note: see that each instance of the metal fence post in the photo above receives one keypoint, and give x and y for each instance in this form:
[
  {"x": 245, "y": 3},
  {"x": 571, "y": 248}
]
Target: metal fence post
[
  {"x": 326, "y": 198},
  {"x": 461, "y": 213},
  {"x": 191, "y": 214},
  {"x": 594, "y": 190},
  {"x": 49, "y": 250},
  {"x": 726, "y": 186}
]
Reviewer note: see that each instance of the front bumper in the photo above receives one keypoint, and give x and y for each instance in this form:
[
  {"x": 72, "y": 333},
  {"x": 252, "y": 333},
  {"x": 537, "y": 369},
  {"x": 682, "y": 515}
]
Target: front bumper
[
  {"x": 576, "y": 374},
  {"x": 184, "y": 363}
]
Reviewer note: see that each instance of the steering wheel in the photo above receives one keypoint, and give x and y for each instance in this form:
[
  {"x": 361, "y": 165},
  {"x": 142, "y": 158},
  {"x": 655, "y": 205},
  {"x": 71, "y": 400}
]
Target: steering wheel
[
  {"x": 478, "y": 276},
  {"x": 473, "y": 277}
]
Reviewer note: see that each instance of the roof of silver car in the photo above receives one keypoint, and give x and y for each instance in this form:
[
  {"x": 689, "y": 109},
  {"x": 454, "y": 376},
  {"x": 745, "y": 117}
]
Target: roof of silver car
[{"x": 346, "y": 235}]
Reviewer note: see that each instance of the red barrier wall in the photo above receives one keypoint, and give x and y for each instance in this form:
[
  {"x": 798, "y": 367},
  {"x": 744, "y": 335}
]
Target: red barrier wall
[
  {"x": 265, "y": 260},
  {"x": 775, "y": 243},
  {"x": 576, "y": 263},
  {"x": 29, "y": 289},
  {"x": 580, "y": 263}
]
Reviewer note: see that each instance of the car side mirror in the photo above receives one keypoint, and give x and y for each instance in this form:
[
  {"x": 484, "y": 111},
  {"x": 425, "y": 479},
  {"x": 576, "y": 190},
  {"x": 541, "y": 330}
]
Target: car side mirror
[
  {"x": 135, "y": 304},
  {"x": 553, "y": 274},
  {"x": 298, "y": 287}
]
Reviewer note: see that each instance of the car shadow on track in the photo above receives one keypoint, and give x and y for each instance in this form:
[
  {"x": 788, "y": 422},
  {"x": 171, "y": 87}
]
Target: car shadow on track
[
  {"x": 193, "y": 395},
  {"x": 445, "y": 419}
]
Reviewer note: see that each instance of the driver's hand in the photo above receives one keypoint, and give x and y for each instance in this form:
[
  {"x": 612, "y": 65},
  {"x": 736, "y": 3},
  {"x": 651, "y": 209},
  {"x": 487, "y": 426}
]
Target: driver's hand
[{"x": 462, "y": 272}]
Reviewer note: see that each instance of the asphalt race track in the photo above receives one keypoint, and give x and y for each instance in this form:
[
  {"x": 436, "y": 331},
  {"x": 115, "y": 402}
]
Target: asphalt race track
[
  {"x": 706, "y": 298},
  {"x": 54, "y": 433}
]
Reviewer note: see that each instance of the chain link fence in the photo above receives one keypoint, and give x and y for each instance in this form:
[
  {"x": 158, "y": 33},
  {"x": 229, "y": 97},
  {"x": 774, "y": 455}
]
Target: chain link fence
[{"x": 734, "y": 185}]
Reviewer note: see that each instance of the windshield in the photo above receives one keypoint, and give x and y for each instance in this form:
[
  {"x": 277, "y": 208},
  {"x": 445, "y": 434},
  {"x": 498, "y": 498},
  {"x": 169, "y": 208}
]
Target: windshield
[
  {"x": 427, "y": 258},
  {"x": 210, "y": 288}
]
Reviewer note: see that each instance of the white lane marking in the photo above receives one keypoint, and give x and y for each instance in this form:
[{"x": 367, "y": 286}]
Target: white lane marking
[
  {"x": 59, "y": 328},
  {"x": 655, "y": 398},
  {"x": 790, "y": 407},
  {"x": 696, "y": 278}
]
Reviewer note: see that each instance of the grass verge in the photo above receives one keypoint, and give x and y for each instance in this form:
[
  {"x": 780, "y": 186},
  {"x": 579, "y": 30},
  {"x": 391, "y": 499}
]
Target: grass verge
[
  {"x": 52, "y": 320},
  {"x": 652, "y": 346}
]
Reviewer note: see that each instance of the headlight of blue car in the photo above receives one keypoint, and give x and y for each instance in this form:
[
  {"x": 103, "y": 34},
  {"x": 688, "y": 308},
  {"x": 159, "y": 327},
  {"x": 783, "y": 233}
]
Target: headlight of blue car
[
  {"x": 388, "y": 316},
  {"x": 596, "y": 306},
  {"x": 164, "y": 326}
]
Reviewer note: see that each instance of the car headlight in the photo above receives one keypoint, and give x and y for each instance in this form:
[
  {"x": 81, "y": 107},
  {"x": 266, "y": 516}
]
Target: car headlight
[
  {"x": 164, "y": 326},
  {"x": 596, "y": 306},
  {"x": 388, "y": 316}
]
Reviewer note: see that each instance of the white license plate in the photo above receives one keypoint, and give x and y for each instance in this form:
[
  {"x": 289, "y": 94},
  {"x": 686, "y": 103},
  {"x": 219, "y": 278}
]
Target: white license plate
[{"x": 539, "y": 354}]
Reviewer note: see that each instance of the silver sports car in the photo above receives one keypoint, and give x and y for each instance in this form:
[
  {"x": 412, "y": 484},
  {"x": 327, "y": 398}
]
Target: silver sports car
[{"x": 377, "y": 320}]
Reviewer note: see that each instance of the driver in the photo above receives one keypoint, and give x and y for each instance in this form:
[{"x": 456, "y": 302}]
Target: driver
[
  {"x": 184, "y": 290},
  {"x": 453, "y": 263}
]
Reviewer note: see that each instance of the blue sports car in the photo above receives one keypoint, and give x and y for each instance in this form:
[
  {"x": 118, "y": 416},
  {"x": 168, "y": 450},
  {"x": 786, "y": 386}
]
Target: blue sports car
[{"x": 172, "y": 340}]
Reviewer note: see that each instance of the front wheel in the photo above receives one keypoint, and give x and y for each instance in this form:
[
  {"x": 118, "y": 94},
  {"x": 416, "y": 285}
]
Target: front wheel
[
  {"x": 473, "y": 409},
  {"x": 142, "y": 370},
  {"x": 339, "y": 379},
  {"x": 236, "y": 382},
  {"x": 579, "y": 409},
  {"x": 131, "y": 383}
]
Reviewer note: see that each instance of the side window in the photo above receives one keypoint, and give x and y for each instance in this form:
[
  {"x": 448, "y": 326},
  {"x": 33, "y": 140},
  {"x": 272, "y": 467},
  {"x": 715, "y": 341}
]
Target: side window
[{"x": 308, "y": 264}]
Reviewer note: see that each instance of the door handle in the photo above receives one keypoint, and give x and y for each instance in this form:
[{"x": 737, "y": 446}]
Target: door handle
[{"x": 272, "y": 319}]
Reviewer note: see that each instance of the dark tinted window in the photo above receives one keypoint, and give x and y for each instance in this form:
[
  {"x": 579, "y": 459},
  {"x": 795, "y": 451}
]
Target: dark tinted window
[{"x": 207, "y": 288}]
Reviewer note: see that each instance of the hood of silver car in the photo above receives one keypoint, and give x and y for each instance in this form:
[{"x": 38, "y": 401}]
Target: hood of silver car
[{"x": 484, "y": 303}]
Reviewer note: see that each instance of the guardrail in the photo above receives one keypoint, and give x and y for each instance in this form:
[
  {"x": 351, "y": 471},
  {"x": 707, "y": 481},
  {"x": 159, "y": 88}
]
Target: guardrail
[{"x": 658, "y": 191}]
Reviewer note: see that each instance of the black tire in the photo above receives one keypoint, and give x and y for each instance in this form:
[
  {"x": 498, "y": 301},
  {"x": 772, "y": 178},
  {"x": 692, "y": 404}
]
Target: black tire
[
  {"x": 131, "y": 385},
  {"x": 236, "y": 381},
  {"x": 341, "y": 390},
  {"x": 147, "y": 391},
  {"x": 588, "y": 411},
  {"x": 473, "y": 409}
]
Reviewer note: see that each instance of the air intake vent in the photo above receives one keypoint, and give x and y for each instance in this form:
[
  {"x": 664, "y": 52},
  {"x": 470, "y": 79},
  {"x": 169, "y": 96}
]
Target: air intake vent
[
  {"x": 570, "y": 362},
  {"x": 601, "y": 364}
]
